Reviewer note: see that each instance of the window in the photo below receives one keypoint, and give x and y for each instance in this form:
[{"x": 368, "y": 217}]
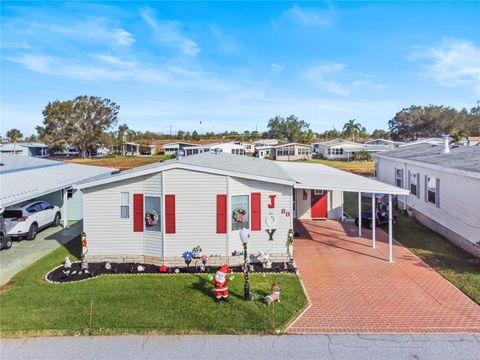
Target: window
[
  {"x": 413, "y": 184},
  {"x": 34, "y": 208},
  {"x": 45, "y": 206},
  {"x": 431, "y": 190},
  {"x": 124, "y": 205},
  {"x": 152, "y": 213},
  {"x": 240, "y": 212},
  {"x": 399, "y": 178}
]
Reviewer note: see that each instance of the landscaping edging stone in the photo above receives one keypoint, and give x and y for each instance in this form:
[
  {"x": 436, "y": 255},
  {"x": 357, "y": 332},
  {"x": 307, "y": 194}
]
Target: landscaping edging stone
[{"x": 57, "y": 275}]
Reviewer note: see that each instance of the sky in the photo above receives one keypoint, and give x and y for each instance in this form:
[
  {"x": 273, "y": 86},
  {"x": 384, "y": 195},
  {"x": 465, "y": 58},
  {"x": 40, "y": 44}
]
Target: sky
[{"x": 216, "y": 66}]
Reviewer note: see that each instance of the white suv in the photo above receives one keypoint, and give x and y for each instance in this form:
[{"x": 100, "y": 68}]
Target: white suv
[{"x": 27, "y": 219}]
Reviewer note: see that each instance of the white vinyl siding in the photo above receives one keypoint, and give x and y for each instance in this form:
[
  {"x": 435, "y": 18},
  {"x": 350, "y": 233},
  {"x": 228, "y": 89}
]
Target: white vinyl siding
[{"x": 458, "y": 210}]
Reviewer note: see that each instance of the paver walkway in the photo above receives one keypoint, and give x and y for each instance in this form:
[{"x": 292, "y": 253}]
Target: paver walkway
[{"x": 353, "y": 288}]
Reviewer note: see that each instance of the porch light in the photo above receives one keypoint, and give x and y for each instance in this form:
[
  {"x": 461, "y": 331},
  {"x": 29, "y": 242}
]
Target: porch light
[{"x": 244, "y": 236}]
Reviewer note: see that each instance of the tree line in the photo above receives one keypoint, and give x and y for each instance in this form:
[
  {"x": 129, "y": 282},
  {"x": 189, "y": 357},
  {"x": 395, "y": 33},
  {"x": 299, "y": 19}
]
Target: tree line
[{"x": 88, "y": 122}]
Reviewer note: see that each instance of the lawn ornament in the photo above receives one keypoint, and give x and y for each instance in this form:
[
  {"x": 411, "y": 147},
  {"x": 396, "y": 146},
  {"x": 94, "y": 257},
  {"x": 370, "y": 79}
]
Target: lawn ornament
[
  {"x": 204, "y": 259},
  {"x": 68, "y": 263},
  {"x": 197, "y": 252},
  {"x": 220, "y": 282},
  {"x": 275, "y": 295},
  {"x": 176, "y": 271},
  {"x": 264, "y": 259},
  {"x": 140, "y": 268},
  {"x": 84, "y": 265},
  {"x": 108, "y": 266},
  {"x": 187, "y": 257},
  {"x": 163, "y": 269},
  {"x": 84, "y": 245},
  {"x": 290, "y": 236}
]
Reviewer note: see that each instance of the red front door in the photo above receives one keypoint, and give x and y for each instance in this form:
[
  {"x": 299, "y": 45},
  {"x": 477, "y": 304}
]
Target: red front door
[{"x": 319, "y": 204}]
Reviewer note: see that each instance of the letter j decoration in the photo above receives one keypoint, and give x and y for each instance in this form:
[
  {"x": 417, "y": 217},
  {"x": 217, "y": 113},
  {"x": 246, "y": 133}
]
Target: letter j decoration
[{"x": 272, "y": 201}]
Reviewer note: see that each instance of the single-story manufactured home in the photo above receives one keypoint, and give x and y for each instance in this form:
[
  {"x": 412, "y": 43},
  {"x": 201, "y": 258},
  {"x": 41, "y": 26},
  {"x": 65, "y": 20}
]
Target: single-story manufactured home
[
  {"x": 289, "y": 152},
  {"x": 444, "y": 184},
  {"x": 230, "y": 148},
  {"x": 24, "y": 178},
  {"x": 156, "y": 212},
  {"x": 26, "y": 149},
  {"x": 172, "y": 148},
  {"x": 339, "y": 149}
]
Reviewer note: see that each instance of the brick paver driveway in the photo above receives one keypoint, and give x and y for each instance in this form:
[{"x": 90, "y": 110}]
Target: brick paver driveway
[{"x": 353, "y": 288}]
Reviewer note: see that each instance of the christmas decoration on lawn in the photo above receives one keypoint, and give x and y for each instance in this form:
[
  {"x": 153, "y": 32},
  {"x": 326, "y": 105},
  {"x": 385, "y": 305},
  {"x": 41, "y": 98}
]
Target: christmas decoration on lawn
[
  {"x": 264, "y": 259},
  {"x": 140, "y": 268},
  {"x": 163, "y": 269},
  {"x": 290, "y": 242},
  {"x": 151, "y": 218},
  {"x": 240, "y": 215},
  {"x": 84, "y": 245},
  {"x": 197, "y": 252},
  {"x": 108, "y": 266},
  {"x": 204, "y": 259},
  {"x": 220, "y": 282},
  {"x": 187, "y": 257},
  {"x": 275, "y": 295}
]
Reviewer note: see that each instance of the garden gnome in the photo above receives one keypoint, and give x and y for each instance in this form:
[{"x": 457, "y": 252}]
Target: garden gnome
[
  {"x": 68, "y": 263},
  {"x": 220, "y": 281}
]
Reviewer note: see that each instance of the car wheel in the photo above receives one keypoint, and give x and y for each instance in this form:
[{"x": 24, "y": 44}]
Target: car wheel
[
  {"x": 8, "y": 244},
  {"x": 56, "y": 221},
  {"x": 32, "y": 232}
]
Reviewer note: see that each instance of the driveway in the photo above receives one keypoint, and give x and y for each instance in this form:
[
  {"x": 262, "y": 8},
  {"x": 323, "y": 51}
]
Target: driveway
[
  {"x": 352, "y": 288},
  {"x": 25, "y": 252},
  {"x": 246, "y": 347}
]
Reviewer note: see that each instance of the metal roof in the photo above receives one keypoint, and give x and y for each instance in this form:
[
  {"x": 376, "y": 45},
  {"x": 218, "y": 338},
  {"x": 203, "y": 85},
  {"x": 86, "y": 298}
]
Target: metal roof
[
  {"x": 464, "y": 158},
  {"x": 306, "y": 175},
  {"x": 24, "y": 177},
  {"x": 324, "y": 177}
]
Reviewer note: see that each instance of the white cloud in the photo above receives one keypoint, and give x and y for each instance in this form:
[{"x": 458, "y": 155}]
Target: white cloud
[
  {"x": 169, "y": 32},
  {"x": 308, "y": 16},
  {"x": 276, "y": 68},
  {"x": 318, "y": 76},
  {"x": 451, "y": 63}
]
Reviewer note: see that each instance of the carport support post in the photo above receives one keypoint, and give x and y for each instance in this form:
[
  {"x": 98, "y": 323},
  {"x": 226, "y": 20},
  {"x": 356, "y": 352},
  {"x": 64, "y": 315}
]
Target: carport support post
[
  {"x": 65, "y": 208},
  {"x": 374, "y": 218},
  {"x": 390, "y": 229},
  {"x": 359, "y": 214}
]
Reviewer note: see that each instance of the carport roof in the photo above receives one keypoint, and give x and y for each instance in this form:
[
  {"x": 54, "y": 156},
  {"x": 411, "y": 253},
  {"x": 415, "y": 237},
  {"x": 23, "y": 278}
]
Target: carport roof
[
  {"x": 24, "y": 178},
  {"x": 323, "y": 177}
]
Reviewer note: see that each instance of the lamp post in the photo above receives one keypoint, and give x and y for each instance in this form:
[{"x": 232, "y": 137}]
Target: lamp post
[{"x": 244, "y": 236}]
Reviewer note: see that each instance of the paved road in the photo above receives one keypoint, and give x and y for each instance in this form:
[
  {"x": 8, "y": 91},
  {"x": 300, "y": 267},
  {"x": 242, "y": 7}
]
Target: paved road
[
  {"x": 25, "y": 252},
  {"x": 291, "y": 347}
]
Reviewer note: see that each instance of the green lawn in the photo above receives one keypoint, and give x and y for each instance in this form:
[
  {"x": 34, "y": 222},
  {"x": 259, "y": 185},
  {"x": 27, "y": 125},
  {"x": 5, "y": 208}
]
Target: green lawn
[
  {"x": 140, "y": 304},
  {"x": 453, "y": 263},
  {"x": 357, "y": 167}
]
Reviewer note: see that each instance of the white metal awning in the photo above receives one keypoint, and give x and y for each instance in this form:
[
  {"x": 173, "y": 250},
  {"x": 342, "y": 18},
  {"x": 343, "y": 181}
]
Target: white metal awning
[{"x": 323, "y": 177}]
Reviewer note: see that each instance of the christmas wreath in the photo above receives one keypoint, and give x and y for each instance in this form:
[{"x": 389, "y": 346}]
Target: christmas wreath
[
  {"x": 151, "y": 218},
  {"x": 240, "y": 215}
]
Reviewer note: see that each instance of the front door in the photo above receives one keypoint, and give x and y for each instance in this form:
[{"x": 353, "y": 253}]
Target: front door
[{"x": 319, "y": 204}]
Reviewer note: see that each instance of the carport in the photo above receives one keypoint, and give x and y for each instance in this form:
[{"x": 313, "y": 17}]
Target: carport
[{"x": 325, "y": 178}]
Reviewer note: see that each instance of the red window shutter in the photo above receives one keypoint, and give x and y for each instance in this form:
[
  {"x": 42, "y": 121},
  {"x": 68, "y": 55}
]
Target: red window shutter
[
  {"x": 138, "y": 212},
  {"x": 256, "y": 212},
  {"x": 170, "y": 213},
  {"x": 221, "y": 214}
]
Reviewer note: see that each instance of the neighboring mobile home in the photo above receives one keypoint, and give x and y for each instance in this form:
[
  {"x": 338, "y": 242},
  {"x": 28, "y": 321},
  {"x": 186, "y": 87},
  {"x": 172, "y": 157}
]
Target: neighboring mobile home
[
  {"x": 172, "y": 148},
  {"x": 26, "y": 149},
  {"x": 444, "y": 186},
  {"x": 230, "y": 148},
  {"x": 25, "y": 179},
  {"x": 156, "y": 212}
]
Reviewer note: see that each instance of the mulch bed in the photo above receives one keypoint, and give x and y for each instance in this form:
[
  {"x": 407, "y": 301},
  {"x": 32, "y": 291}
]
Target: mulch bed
[{"x": 59, "y": 274}]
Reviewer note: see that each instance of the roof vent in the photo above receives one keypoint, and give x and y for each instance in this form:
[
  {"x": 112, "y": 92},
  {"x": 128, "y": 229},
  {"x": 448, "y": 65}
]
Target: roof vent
[
  {"x": 217, "y": 150},
  {"x": 446, "y": 145},
  {"x": 180, "y": 154}
]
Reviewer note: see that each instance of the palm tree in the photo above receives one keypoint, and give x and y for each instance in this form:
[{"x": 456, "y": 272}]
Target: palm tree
[
  {"x": 458, "y": 135},
  {"x": 14, "y": 135},
  {"x": 308, "y": 136},
  {"x": 351, "y": 128}
]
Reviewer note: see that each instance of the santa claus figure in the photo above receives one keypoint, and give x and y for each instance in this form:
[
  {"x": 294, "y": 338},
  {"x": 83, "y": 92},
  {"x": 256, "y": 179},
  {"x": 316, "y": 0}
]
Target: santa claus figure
[{"x": 220, "y": 281}]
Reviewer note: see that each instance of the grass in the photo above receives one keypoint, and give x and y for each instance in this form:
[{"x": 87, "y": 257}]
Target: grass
[
  {"x": 120, "y": 162},
  {"x": 360, "y": 167},
  {"x": 140, "y": 304},
  {"x": 450, "y": 261}
]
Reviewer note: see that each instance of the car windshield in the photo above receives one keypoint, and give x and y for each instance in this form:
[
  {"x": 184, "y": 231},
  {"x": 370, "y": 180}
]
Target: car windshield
[{"x": 12, "y": 214}]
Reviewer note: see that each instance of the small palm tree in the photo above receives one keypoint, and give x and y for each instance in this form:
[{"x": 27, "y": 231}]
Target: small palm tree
[
  {"x": 14, "y": 135},
  {"x": 352, "y": 128},
  {"x": 458, "y": 135}
]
